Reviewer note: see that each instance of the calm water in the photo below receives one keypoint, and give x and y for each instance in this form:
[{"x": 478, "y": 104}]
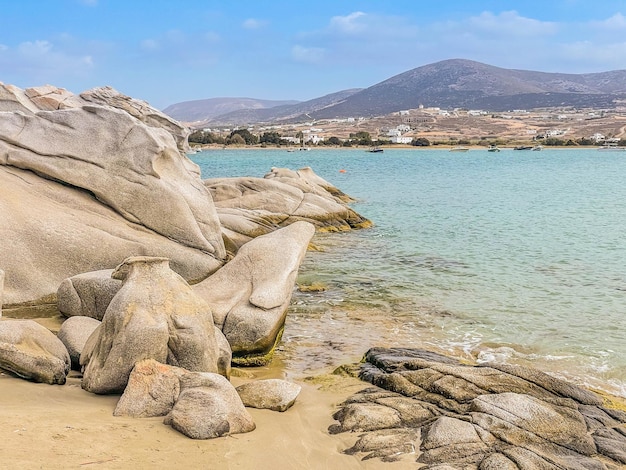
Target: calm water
[{"x": 514, "y": 256}]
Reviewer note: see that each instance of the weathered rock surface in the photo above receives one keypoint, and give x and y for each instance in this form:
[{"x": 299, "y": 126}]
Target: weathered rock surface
[
  {"x": 270, "y": 394},
  {"x": 449, "y": 415},
  {"x": 155, "y": 315},
  {"x": 152, "y": 390},
  {"x": 90, "y": 180},
  {"x": 249, "y": 296},
  {"x": 87, "y": 294},
  {"x": 208, "y": 407},
  {"x": 31, "y": 351},
  {"x": 1, "y": 289},
  {"x": 74, "y": 333},
  {"x": 249, "y": 207}
]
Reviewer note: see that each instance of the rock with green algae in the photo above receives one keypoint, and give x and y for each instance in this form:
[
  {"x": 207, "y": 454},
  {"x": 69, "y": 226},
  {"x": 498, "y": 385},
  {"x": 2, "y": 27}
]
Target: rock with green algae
[
  {"x": 453, "y": 415},
  {"x": 250, "y": 295}
]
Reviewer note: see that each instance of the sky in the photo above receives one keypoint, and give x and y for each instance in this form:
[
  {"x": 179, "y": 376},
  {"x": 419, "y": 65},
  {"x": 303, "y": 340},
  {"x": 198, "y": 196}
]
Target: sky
[{"x": 169, "y": 51}]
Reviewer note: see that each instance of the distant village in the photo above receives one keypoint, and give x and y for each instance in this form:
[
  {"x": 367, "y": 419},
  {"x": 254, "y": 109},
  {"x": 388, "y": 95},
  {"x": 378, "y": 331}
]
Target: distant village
[{"x": 431, "y": 126}]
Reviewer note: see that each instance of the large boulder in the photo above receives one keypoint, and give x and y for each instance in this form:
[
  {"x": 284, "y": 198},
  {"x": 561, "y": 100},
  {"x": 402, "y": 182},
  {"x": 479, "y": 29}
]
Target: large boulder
[
  {"x": 270, "y": 394},
  {"x": 152, "y": 390},
  {"x": 87, "y": 294},
  {"x": 155, "y": 315},
  {"x": 90, "y": 180},
  {"x": 249, "y": 207},
  {"x": 33, "y": 352},
  {"x": 74, "y": 333},
  {"x": 208, "y": 407},
  {"x": 249, "y": 296},
  {"x": 453, "y": 415}
]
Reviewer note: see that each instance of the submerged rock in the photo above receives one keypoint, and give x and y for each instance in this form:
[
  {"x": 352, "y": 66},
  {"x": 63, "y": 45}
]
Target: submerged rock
[
  {"x": 32, "y": 352},
  {"x": 155, "y": 315},
  {"x": 450, "y": 415}
]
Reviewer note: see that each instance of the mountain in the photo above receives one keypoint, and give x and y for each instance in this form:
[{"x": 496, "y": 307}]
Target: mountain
[
  {"x": 459, "y": 83},
  {"x": 287, "y": 113},
  {"x": 203, "y": 110},
  {"x": 454, "y": 83}
]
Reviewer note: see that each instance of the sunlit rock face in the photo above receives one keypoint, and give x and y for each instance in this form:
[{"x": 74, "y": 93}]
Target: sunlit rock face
[{"x": 92, "y": 179}]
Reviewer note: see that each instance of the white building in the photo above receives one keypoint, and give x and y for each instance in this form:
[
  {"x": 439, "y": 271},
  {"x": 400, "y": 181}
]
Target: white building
[{"x": 398, "y": 139}]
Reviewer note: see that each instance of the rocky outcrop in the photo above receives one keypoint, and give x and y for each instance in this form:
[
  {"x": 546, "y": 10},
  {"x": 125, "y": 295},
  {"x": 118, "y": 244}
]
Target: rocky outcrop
[
  {"x": 249, "y": 207},
  {"x": 90, "y": 180},
  {"x": 74, "y": 333},
  {"x": 208, "y": 407},
  {"x": 451, "y": 415},
  {"x": 249, "y": 296},
  {"x": 31, "y": 351},
  {"x": 270, "y": 394},
  {"x": 155, "y": 315}
]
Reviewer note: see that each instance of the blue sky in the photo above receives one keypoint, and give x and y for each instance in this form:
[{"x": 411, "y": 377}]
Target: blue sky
[{"x": 169, "y": 51}]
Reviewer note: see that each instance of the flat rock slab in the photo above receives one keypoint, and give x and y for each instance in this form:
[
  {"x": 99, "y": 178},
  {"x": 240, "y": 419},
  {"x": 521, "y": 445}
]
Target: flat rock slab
[
  {"x": 453, "y": 416},
  {"x": 270, "y": 394}
]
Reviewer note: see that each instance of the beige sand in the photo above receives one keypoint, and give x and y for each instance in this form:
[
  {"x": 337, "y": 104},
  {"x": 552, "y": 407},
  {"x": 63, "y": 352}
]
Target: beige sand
[{"x": 49, "y": 427}]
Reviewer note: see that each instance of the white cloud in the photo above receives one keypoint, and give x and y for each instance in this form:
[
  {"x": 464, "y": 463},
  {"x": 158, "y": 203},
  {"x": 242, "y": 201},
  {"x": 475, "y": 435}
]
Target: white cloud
[
  {"x": 253, "y": 23},
  {"x": 42, "y": 62},
  {"x": 510, "y": 23},
  {"x": 615, "y": 23},
  {"x": 307, "y": 54},
  {"x": 350, "y": 24}
]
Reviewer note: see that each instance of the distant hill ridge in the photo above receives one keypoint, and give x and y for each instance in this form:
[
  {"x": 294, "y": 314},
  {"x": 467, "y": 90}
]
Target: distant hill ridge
[
  {"x": 206, "y": 109},
  {"x": 454, "y": 83}
]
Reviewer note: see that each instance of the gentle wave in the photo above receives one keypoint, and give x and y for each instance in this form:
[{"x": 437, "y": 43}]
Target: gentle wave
[{"x": 516, "y": 257}]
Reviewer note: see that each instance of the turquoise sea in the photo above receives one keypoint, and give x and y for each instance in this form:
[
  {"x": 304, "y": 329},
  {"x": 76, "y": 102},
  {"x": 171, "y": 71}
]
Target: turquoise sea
[{"x": 515, "y": 256}]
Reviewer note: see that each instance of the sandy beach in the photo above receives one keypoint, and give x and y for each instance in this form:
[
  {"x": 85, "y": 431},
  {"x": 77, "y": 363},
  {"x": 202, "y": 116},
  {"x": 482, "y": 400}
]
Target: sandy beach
[{"x": 47, "y": 426}]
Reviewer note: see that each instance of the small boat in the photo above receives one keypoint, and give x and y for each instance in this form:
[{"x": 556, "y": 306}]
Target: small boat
[
  {"x": 459, "y": 149},
  {"x": 493, "y": 148},
  {"x": 537, "y": 148},
  {"x": 523, "y": 147},
  {"x": 612, "y": 147},
  {"x": 306, "y": 149},
  {"x": 375, "y": 150}
]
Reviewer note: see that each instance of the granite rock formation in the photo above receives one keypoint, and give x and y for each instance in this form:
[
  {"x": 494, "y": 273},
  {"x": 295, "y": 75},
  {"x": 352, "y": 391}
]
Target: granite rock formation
[
  {"x": 74, "y": 333},
  {"x": 444, "y": 414},
  {"x": 250, "y": 295},
  {"x": 207, "y": 407},
  {"x": 32, "y": 352},
  {"x": 270, "y": 394},
  {"x": 249, "y": 207},
  {"x": 155, "y": 315},
  {"x": 92, "y": 179}
]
